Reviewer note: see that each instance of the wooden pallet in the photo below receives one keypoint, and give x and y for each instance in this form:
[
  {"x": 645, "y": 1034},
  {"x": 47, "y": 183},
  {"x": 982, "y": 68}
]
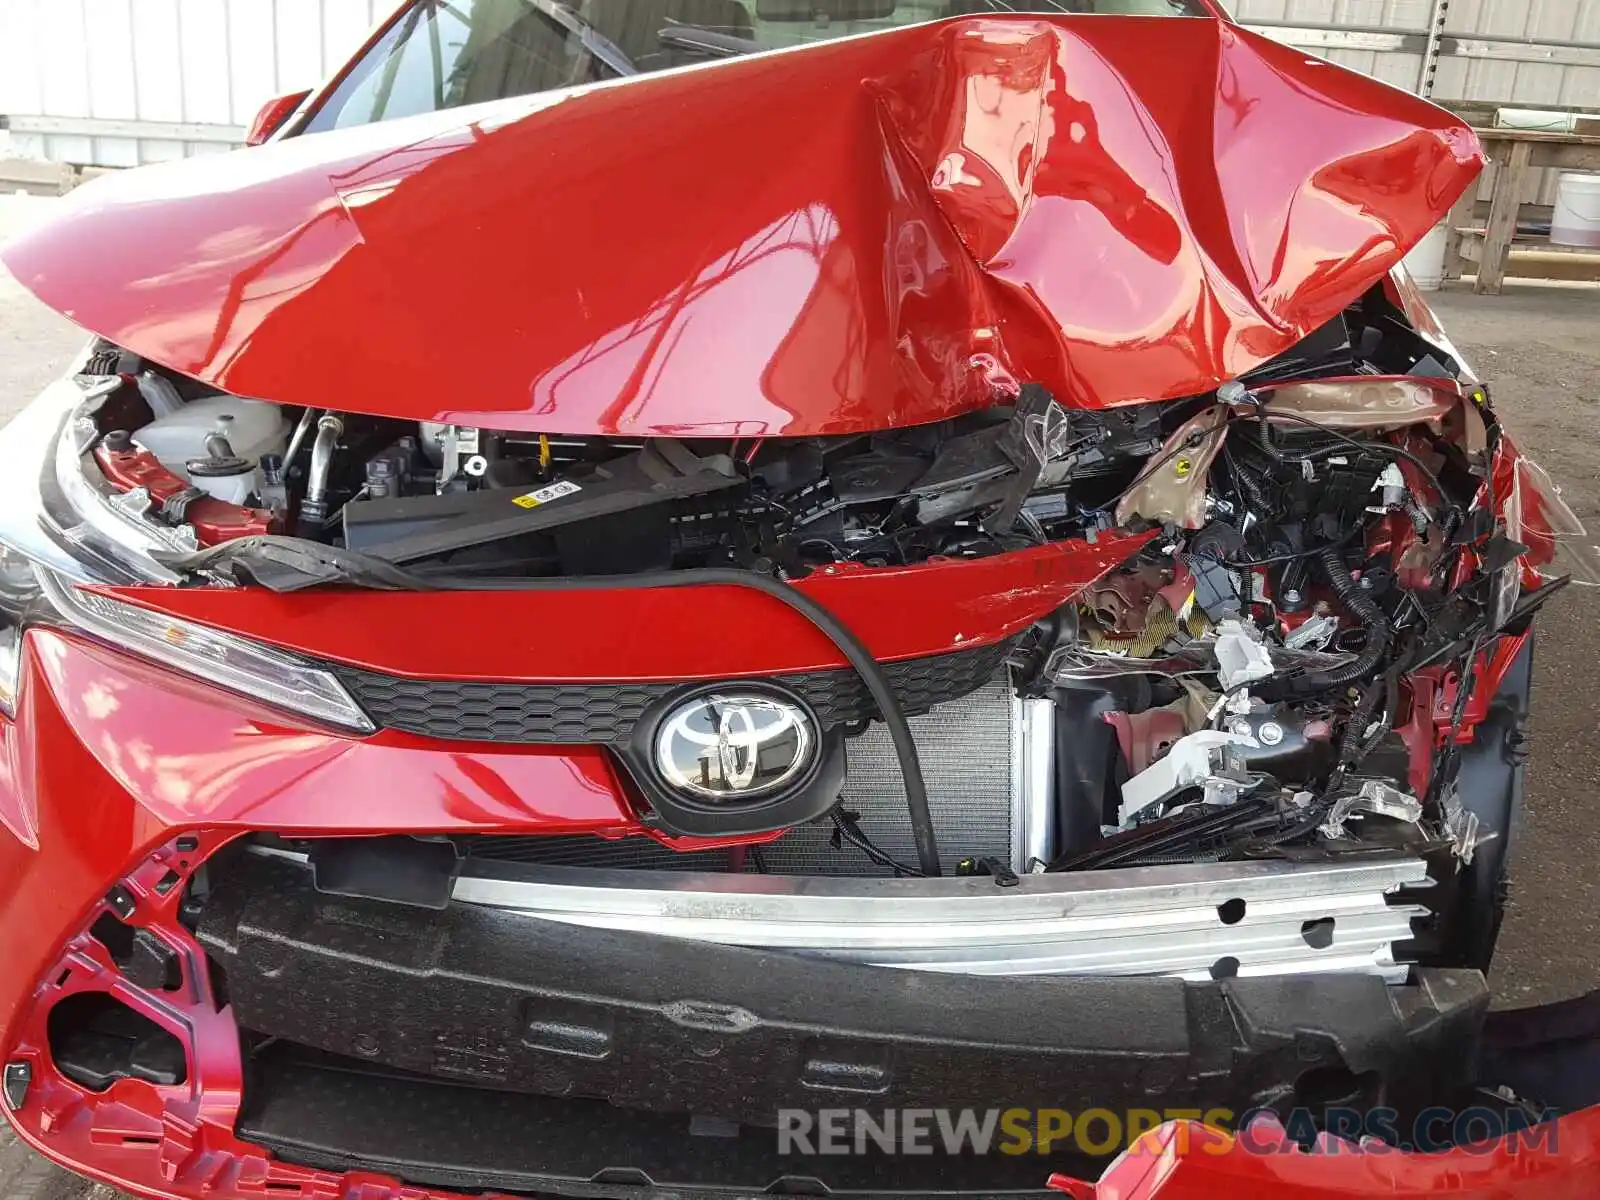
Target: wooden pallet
[
  {"x": 1514, "y": 152},
  {"x": 1532, "y": 258}
]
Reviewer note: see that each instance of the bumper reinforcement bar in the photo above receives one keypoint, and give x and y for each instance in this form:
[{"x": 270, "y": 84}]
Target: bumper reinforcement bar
[{"x": 472, "y": 995}]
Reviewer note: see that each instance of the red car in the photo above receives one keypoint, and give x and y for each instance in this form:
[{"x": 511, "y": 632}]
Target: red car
[{"x": 704, "y": 597}]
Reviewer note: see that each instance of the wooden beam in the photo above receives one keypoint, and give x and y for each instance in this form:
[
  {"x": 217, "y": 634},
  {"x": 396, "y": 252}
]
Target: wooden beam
[
  {"x": 1460, "y": 216},
  {"x": 1535, "y": 260},
  {"x": 1510, "y": 177},
  {"x": 1581, "y": 156}
]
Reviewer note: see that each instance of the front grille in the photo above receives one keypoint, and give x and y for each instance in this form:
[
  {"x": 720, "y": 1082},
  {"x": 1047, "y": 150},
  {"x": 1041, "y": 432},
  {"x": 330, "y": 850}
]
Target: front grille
[
  {"x": 966, "y": 748},
  {"x": 605, "y": 713}
]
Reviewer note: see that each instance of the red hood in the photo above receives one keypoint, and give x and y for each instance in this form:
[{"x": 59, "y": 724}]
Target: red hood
[{"x": 860, "y": 234}]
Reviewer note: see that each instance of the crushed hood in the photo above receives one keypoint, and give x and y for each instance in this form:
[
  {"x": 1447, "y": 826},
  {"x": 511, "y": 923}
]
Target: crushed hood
[{"x": 859, "y": 234}]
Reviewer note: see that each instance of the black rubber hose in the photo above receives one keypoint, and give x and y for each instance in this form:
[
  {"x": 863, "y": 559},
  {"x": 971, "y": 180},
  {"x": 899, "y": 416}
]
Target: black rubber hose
[
  {"x": 868, "y": 668},
  {"x": 858, "y": 656},
  {"x": 1255, "y": 498},
  {"x": 380, "y": 573},
  {"x": 1264, "y": 434},
  {"x": 1355, "y": 597},
  {"x": 1391, "y": 687},
  {"x": 1364, "y": 664},
  {"x": 1364, "y": 607},
  {"x": 1308, "y": 824}
]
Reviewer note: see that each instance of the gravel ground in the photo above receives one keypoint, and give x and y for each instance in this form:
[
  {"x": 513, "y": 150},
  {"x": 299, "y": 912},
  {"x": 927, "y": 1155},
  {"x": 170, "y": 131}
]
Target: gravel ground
[{"x": 1538, "y": 346}]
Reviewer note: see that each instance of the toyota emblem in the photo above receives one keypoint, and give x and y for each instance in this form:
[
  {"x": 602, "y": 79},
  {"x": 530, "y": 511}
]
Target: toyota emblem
[{"x": 734, "y": 746}]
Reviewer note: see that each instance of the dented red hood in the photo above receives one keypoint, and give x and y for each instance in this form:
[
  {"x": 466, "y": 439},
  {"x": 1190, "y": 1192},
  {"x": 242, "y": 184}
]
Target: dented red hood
[{"x": 854, "y": 235}]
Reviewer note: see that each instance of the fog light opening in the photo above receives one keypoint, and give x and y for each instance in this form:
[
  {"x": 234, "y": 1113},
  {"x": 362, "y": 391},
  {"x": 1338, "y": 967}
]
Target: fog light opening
[{"x": 95, "y": 1040}]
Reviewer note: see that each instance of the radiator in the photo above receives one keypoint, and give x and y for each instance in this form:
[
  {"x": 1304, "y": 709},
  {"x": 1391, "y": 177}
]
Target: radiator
[
  {"x": 985, "y": 759},
  {"x": 967, "y": 748}
]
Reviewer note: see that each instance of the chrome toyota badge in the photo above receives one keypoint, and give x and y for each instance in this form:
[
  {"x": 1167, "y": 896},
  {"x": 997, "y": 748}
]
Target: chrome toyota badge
[{"x": 734, "y": 746}]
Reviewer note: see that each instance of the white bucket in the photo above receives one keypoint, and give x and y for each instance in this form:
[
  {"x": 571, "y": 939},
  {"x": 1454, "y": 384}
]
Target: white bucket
[
  {"x": 1576, "y": 221},
  {"x": 1426, "y": 260}
]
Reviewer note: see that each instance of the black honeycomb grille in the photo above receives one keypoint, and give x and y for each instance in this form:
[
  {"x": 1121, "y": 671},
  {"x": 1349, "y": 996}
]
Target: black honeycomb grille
[{"x": 587, "y": 713}]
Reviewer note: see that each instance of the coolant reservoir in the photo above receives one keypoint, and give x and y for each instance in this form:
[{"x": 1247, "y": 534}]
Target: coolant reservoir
[{"x": 252, "y": 427}]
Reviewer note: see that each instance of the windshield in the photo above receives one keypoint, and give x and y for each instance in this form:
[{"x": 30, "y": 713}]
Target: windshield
[{"x": 446, "y": 53}]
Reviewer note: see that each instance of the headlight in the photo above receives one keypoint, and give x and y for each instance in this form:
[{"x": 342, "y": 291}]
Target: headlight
[
  {"x": 32, "y": 594},
  {"x": 41, "y": 555},
  {"x": 235, "y": 663}
]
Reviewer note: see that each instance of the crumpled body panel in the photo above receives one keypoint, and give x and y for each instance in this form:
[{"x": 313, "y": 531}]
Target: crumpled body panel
[{"x": 874, "y": 232}]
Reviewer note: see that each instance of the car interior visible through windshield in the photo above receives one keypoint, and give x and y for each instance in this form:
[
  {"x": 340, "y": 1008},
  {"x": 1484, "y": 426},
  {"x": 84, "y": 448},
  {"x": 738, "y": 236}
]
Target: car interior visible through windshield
[{"x": 446, "y": 53}]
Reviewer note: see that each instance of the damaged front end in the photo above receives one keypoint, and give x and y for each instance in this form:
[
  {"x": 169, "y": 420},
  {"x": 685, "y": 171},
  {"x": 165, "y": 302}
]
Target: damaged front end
[{"x": 1082, "y": 656}]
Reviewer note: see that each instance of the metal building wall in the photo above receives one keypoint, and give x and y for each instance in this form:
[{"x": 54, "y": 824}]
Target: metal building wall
[
  {"x": 1523, "y": 53},
  {"x": 1311, "y": 19},
  {"x": 202, "y": 67},
  {"x": 199, "y": 68}
]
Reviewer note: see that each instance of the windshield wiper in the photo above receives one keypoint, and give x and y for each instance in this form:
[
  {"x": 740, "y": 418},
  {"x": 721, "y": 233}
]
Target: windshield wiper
[
  {"x": 708, "y": 41},
  {"x": 595, "y": 42}
]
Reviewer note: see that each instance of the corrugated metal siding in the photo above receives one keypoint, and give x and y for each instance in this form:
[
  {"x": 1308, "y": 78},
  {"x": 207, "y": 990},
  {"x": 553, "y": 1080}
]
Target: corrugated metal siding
[
  {"x": 1371, "y": 14},
  {"x": 212, "y": 62},
  {"x": 1527, "y": 84},
  {"x": 215, "y": 61}
]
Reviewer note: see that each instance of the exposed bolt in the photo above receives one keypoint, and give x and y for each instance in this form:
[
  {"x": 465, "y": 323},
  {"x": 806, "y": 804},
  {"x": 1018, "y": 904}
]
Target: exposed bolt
[
  {"x": 1366, "y": 583},
  {"x": 1270, "y": 733},
  {"x": 1292, "y": 596},
  {"x": 1239, "y": 727}
]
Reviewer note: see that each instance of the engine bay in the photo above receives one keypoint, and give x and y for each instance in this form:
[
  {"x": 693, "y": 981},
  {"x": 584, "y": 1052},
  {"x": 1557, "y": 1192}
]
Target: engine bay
[{"x": 1338, "y": 567}]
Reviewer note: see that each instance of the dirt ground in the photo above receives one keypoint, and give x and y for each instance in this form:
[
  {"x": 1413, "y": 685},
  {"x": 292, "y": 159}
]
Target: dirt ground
[{"x": 1538, "y": 346}]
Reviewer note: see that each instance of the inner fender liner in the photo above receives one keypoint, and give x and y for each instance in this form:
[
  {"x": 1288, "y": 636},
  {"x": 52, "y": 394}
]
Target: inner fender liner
[{"x": 481, "y": 996}]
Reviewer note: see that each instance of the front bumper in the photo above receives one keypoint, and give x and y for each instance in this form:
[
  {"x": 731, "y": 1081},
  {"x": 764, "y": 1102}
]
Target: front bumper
[
  {"x": 497, "y": 999},
  {"x": 120, "y": 781}
]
